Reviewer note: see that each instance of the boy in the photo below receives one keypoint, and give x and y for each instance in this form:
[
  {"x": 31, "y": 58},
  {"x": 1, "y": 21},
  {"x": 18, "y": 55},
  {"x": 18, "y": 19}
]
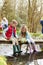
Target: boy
[{"x": 11, "y": 34}]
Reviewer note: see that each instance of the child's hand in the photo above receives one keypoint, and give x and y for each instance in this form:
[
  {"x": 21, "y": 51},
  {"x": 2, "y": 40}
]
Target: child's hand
[{"x": 7, "y": 38}]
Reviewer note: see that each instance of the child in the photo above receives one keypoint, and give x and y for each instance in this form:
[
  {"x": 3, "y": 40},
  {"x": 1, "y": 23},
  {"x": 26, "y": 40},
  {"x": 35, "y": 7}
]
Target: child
[
  {"x": 11, "y": 34},
  {"x": 25, "y": 34},
  {"x": 4, "y": 23}
]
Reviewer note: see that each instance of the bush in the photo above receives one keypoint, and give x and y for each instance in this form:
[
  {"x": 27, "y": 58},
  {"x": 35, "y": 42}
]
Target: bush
[
  {"x": 3, "y": 60},
  {"x": 35, "y": 34}
]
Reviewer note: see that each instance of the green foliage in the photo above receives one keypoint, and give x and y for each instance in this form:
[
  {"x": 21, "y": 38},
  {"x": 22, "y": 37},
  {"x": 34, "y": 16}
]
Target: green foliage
[
  {"x": 3, "y": 60},
  {"x": 41, "y": 36},
  {"x": 35, "y": 34},
  {"x": 7, "y": 11}
]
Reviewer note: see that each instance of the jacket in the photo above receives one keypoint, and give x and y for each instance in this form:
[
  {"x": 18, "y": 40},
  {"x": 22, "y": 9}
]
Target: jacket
[{"x": 10, "y": 31}]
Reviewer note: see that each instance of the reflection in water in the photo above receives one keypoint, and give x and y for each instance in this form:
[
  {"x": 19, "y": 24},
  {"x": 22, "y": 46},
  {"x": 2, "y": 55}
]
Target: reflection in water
[{"x": 34, "y": 62}]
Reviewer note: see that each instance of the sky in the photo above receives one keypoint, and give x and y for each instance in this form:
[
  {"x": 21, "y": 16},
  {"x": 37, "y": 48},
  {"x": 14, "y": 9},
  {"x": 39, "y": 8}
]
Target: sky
[{"x": 1, "y": 2}]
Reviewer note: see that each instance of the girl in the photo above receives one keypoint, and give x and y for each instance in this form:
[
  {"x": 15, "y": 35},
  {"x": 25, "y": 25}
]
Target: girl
[{"x": 25, "y": 34}]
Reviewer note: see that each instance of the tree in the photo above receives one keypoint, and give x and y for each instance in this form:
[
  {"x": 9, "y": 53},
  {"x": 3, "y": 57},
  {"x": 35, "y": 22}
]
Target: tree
[
  {"x": 21, "y": 11},
  {"x": 7, "y": 10},
  {"x": 33, "y": 15}
]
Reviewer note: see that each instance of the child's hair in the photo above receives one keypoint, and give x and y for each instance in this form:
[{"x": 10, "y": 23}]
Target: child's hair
[
  {"x": 4, "y": 18},
  {"x": 23, "y": 25},
  {"x": 14, "y": 21}
]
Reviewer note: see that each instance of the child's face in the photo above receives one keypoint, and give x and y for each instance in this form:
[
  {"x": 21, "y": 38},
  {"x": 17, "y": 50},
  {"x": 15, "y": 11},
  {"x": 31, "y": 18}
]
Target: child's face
[
  {"x": 23, "y": 30},
  {"x": 3, "y": 19},
  {"x": 14, "y": 24}
]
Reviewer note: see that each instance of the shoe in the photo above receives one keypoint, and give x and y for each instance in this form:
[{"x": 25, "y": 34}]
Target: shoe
[
  {"x": 34, "y": 51},
  {"x": 14, "y": 55}
]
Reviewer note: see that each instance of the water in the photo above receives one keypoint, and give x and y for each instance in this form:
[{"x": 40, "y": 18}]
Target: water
[{"x": 7, "y": 50}]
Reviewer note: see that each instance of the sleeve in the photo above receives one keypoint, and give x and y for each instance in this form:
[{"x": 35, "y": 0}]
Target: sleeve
[
  {"x": 7, "y": 22},
  {"x": 29, "y": 38},
  {"x": 16, "y": 35}
]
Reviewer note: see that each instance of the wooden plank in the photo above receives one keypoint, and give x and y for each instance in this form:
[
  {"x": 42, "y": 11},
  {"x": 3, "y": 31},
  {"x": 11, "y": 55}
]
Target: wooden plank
[
  {"x": 5, "y": 42},
  {"x": 37, "y": 41},
  {"x": 8, "y": 41}
]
